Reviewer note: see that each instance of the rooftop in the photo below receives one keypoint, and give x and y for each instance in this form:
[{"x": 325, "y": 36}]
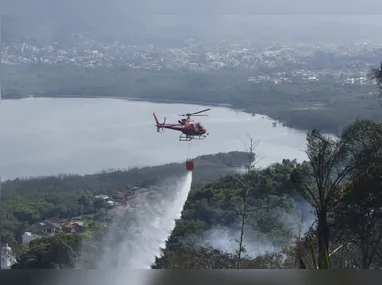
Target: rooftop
[{"x": 46, "y": 225}]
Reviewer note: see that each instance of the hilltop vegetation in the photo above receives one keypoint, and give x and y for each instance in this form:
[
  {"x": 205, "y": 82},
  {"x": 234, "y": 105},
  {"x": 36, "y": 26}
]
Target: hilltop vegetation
[{"x": 322, "y": 104}]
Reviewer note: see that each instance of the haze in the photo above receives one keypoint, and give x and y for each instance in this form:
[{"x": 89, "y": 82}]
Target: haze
[{"x": 245, "y": 19}]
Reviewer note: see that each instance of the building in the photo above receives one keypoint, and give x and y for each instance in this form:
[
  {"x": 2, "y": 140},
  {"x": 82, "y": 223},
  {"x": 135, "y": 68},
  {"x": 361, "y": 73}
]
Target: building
[
  {"x": 27, "y": 237},
  {"x": 7, "y": 257},
  {"x": 45, "y": 228},
  {"x": 71, "y": 228},
  {"x": 104, "y": 197},
  {"x": 111, "y": 213},
  {"x": 135, "y": 192},
  {"x": 143, "y": 193},
  {"x": 133, "y": 203}
]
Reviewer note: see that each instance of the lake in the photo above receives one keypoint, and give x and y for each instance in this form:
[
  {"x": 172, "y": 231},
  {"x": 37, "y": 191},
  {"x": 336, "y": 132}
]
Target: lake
[{"x": 46, "y": 136}]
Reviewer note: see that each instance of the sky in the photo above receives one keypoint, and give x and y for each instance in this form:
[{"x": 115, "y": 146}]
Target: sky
[
  {"x": 197, "y": 17},
  {"x": 242, "y": 7}
]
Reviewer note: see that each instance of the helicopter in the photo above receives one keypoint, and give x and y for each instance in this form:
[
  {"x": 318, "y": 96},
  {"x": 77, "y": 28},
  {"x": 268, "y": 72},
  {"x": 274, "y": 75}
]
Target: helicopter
[{"x": 189, "y": 128}]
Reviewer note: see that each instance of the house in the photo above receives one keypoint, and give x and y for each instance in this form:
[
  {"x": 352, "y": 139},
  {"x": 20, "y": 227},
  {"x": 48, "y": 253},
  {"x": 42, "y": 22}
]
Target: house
[
  {"x": 116, "y": 211},
  {"x": 123, "y": 196},
  {"x": 27, "y": 237},
  {"x": 104, "y": 197},
  {"x": 73, "y": 227},
  {"x": 135, "y": 192},
  {"x": 142, "y": 193},
  {"x": 135, "y": 202},
  {"x": 45, "y": 228}
]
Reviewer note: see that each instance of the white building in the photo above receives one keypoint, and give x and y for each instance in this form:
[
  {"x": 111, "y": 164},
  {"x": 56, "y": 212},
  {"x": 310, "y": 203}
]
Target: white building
[
  {"x": 7, "y": 257},
  {"x": 104, "y": 197},
  {"x": 27, "y": 237}
]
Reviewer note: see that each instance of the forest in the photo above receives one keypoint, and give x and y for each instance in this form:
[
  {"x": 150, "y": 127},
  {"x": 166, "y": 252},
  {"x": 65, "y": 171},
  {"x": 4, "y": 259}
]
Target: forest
[{"x": 322, "y": 104}]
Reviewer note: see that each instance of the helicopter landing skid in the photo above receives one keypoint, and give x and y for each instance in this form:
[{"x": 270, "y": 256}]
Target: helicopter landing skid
[{"x": 187, "y": 138}]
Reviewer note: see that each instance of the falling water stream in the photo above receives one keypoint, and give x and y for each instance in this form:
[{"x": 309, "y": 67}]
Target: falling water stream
[{"x": 134, "y": 240}]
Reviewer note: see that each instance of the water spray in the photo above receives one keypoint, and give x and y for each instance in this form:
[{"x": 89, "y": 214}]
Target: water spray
[
  {"x": 136, "y": 238},
  {"x": 156, "y": 232}
]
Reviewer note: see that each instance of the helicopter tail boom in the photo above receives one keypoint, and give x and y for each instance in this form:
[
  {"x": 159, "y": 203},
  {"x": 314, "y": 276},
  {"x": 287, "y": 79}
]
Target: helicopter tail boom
[
  {"x": 159, "y": 125},
  {"x": 157, "y": 122}
]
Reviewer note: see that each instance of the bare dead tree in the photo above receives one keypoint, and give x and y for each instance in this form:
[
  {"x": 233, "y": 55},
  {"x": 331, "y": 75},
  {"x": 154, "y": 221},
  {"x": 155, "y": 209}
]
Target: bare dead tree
[
  {"x": 253, "y": 158},
  {"x": 250, "y": 147}
]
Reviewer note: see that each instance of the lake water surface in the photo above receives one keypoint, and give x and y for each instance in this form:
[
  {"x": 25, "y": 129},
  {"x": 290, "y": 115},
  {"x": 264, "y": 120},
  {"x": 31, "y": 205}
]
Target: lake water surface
[{"x": 44, "y": 136}]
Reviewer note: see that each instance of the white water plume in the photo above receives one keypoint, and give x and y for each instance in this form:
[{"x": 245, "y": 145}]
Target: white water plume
[
  {"x": 157, "y": 226},
  {"x": 135, "y": 239}
]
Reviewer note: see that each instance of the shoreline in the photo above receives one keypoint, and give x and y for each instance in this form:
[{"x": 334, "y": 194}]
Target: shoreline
[
  {"x": 142, "y": 99},
  {"x": 115, "y": 170}
]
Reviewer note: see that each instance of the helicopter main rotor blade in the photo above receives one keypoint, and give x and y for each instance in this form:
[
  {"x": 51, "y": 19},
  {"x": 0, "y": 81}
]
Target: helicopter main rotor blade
[
  {"x": 193, "y": 114},
  {"x": 200, "y": 111}
]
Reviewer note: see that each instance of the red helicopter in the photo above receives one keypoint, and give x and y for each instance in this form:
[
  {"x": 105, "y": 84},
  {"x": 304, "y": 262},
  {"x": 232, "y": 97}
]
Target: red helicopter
[{"x": 189, "y": 128}]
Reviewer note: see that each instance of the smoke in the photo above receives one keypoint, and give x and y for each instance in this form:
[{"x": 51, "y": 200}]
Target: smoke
[
  {"x": 135, "y": 239},
  {"x": 226, "y": 239},
  {"x": 294, "y": 224}
]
